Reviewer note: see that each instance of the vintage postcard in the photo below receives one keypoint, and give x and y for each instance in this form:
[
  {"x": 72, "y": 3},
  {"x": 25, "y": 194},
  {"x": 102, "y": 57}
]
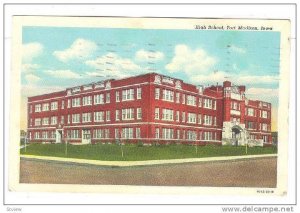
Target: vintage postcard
[{"x": 168, "y": 103}]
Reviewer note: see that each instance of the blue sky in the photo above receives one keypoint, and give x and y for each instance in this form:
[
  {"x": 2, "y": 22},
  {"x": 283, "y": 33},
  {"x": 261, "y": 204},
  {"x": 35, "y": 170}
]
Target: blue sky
[{"x": 55, "y": 58}]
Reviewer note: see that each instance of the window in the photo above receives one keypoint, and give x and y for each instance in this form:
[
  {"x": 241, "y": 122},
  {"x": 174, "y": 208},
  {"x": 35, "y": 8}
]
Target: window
[
  {"x": 265, "y": 127},
  {"x": 167, "y": 115},
  {"x": 69, "y": 119},
  {"x": 127, "y": 133},
  {"x": 117, "y": 96},
  {"x": 156, "y": 133},
  {"x": 191, "y": 135},
  {"x": 128, "y": 95},
  {"x": 200, "y": 102},
  {"x": 87, "y": 100},
  {"x": 75, "y": 102},
  {"x": 52, "y": 134},
  {"x": 183, "y": 116},
  {"x": 251, "y": 125},
  {"x": 45, "y": 121},
  {"x": 30, "y": 123},
  {"x": 234, "y": 105},
  {"x": 191, "y": 100},
  {"x": 37, "y": 122},
  {"x": 30, "y": 109},
  {"x": 183, "y": 98},
  {"x": 74, "y": 134},
  {"x": 215, "y": 105},
  {"x": 62, "y": 104},
  {"x": 215, "y": 121},
  {"x": 157, "y": 93},
  {"x": 139, "y": 113},
  {"x": 265, "y": 138},
  {"x": 54, "y": 105},
  {"x": 156, "y": 114},
  {"x": 207, "y": 103},
  {"x": 69, "y": 103},
  {"x": 46, "y": 107},
  {"x": 177, "y": 116},
  {"x": 167, "y": 133},
  {"x": 192, "y": 118},
  {"x": 107, "y": 115},
  {"x": 250, "y": 112},
  {"x": 168, "y": 95},
  {"x": 107, "y": 98},
  {"x": 53, "y": 120},
  {"x": 36, "y": 135},
  {"x": 44, "y": 135},
  {"x": 106, "y": 132},
  {"x": 117, "y": 115},
  {"x": 199, "y": 119},
  {"x": 75, "y": 118},
  {"x": 264, "y": 114},
  {"x": 117, "y": 134},
  {"x": 128, "y": 114},
  {"x": 62, "y": 119},
  {"x": 178, "y": 134},
  {"x": 99, "y": 99},
  {"x": 86, "y": 117},
  {"x": 139, "y": 93},
  {"x": 207, "y": 136},
  {"x": 98, "y": 133},
  {"x": 138, "y": 132},
  {"x": 207, "y": 120},
  {"x": 177, "y": 97}
]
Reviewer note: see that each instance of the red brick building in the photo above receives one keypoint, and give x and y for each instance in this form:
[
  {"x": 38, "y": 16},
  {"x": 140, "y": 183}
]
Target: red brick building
[{"x": 149, "y": 108}]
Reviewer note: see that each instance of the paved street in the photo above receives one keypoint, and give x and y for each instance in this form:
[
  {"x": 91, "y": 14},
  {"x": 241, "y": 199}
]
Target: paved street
[{"x": 247, "y": 172}]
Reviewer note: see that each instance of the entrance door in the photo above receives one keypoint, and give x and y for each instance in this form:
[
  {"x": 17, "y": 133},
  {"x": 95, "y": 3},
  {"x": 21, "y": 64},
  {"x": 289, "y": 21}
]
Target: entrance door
[
  {"x": 86, "y": 136},
  {"x": 236, "y": 133},
  {"x": 58, "y": 136}
]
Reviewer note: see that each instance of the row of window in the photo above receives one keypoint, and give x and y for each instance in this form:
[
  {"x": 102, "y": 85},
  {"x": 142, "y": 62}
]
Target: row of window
[
  {"x": 101, "y": 116},
  {"x": 169, "y": 133},
  {"x": 131, "y": 133},
  {"x": 127, "y": 95},
  {"x": 254, "y": 137},
  {"x": 193, "y": 118},
  {"x": 262, "y": 113},
  {"x": 44, "y": 107},
  {"x": 260, "y": 126},
  {"x": 168, "y": 95}
]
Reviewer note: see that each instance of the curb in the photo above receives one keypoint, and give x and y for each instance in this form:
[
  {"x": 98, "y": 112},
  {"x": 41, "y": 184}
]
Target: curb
[{"x": 145, "y": 163}]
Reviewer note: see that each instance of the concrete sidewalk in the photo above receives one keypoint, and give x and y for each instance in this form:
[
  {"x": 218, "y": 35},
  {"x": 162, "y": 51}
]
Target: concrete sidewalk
[{"x": 144, "y": 163}]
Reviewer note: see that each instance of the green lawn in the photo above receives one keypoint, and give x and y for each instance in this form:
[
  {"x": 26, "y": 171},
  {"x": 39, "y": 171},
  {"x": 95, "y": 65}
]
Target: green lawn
[{"x": 112, "y": 152}]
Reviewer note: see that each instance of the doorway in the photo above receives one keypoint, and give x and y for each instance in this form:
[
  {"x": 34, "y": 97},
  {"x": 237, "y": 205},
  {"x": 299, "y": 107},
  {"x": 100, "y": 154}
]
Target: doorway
[
  {"x": 86, "y": 136},
  {"x": 58, "y": 136}
]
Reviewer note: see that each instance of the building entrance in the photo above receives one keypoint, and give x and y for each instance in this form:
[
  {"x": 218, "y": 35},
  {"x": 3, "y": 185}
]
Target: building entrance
[
  {"x": 86, "y": 136},
  {"x": 58, "y": 136},
  {"x": 236, "y": 135}
]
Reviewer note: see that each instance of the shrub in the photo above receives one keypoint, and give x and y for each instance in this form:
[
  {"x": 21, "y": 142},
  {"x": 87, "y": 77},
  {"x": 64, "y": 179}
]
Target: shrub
[{"x": 140, "y": 144}]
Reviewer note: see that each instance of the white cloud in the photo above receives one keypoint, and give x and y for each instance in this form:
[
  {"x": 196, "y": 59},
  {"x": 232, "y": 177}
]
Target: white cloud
[
  {"x": 257, "y": 79},
  {"x": 113, "y": 65},
  {"x": 143, "y": 55},
  {"x": 31, "y": 78},
  {"x": 80, "y": 49},
  {"x": 239, "y": 79},
  {"x": 29, "y": 68},
  {"x": 63, "y": 74},
  {"x": 32, "y": 90},
  {"x": 237, "y": 49},
  {"x": 31, "y": 51},
  {"x": 190, "y": 61},
  {"x": 256, "y": 91}
]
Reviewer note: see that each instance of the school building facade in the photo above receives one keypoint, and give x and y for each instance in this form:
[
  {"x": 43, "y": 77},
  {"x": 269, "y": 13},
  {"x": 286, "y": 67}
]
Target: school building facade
[{"x": 149, "y": 108}]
